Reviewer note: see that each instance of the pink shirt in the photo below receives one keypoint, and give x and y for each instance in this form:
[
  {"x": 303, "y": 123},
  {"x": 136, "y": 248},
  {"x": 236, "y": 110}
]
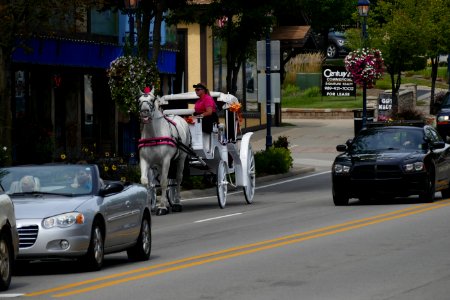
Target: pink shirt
[{"x": 203, "y": 103}]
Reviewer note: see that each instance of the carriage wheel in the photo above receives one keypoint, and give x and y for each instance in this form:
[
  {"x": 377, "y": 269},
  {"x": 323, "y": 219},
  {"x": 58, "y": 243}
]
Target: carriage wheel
[
  {"x": 222, "y": 183},
  {"x": 249, "y": 190}
]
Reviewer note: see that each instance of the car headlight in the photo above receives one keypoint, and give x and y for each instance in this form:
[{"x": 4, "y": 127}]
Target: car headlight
[
  {"x": 442, "y": 118},
  {"x": 341, "y": 42},
  {"x": 414, "y": 167},
  {"x": 64, "y": 220},
  {"x": 341, "y": 169}
]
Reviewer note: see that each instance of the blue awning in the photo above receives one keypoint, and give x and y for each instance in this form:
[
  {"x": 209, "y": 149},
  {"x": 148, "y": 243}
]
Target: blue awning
[{"x": 61, "y": 52}]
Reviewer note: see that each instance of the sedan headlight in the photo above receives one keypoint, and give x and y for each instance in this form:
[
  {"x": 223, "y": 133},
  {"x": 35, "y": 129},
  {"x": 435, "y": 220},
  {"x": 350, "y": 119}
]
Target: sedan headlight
[
  {"x": 442, "y": 118},
  {"x": 341, "y": 169},
  {"x": 64, "y": 220},
  {"x": 414, "y": 167}
]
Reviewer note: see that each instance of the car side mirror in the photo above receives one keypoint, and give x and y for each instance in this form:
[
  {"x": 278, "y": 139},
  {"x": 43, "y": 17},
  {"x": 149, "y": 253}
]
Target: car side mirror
[
  {"x": 437, "y": 145},
  {"x": 341, "y": 148},
  {"x": 111, "y": 188}
]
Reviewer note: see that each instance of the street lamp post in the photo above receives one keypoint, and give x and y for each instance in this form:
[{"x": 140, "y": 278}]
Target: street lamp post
[
  {"x": 130, "y": 6},
  {"x": 363, "y": 11}
]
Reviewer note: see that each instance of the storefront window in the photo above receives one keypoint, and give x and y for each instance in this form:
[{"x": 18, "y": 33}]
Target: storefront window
[{"x": 104, "y": 23}]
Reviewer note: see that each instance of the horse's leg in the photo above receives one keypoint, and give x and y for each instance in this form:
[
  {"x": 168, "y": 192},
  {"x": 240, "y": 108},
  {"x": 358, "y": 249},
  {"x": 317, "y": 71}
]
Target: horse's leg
[
  {"x": 162, "y": 204},
  {"x": 144, "y": 170},
  {"x": 177, "y": 199}
]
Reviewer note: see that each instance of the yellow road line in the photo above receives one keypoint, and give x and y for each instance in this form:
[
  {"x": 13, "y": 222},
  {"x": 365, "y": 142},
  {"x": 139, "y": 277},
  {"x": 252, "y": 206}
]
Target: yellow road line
[{"x": 238, "y": 251}]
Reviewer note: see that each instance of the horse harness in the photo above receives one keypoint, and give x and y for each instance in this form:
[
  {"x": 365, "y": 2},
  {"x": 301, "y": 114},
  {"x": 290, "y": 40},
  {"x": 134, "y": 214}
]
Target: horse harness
[{"x": 162, "y": 140}]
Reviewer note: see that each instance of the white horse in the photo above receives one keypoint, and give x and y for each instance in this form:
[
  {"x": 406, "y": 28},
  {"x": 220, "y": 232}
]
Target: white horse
[{"x": 161, "y": 137}]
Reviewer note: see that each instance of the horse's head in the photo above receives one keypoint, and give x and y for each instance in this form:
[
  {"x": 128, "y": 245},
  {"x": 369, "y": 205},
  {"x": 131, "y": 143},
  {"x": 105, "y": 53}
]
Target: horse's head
[{"x": 147, "y": 105}]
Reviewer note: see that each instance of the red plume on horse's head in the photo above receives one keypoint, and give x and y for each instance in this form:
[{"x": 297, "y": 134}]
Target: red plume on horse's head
[{"x": 147, "y": 90}]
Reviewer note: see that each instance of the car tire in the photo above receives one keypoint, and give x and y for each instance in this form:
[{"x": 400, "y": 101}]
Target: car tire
[
  {"x": 332, "y": 51},
  {"x": 6, "y": 261},
  {"x": 427, "y": 196},
  {"x": 93, "y": 260},
  {"x": 142, "y": 249},
  {"x": 339, "y": 198},
  {"x": 446, "y": 193}
]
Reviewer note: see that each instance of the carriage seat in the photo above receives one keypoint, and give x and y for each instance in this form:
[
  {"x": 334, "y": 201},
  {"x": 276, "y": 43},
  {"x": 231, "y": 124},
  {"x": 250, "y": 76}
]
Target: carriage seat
[{"x": 179, "y": 112}]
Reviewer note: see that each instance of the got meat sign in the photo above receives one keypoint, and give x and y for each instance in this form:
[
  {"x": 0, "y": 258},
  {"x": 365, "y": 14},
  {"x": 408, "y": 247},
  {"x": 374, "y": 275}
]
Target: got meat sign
[{"x": 337, "y": 81}]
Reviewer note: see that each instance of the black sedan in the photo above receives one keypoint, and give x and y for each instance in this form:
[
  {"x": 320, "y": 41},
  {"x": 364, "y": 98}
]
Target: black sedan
[
  {"x": 392, "y": 161},
  {"x": 443, "y": 117}
]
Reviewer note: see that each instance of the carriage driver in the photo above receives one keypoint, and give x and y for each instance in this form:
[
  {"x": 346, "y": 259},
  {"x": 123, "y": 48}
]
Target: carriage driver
[{"x": 205, "y": 107}]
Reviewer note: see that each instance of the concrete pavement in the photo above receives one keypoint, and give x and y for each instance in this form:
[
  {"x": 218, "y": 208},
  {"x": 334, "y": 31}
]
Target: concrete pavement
[{"x": 312, "y": 142}]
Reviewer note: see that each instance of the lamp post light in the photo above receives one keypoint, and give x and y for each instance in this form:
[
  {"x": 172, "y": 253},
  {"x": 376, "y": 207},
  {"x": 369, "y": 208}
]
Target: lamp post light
[
  {"x": 130, "y": 7},
  {"x": 363, "y": 11}
]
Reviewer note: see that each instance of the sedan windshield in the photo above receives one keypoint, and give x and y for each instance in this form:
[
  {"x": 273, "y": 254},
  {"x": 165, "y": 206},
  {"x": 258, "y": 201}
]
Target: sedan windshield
[
  {"x": 58, "y": 180},
  {"x": 402, "y": 140}
]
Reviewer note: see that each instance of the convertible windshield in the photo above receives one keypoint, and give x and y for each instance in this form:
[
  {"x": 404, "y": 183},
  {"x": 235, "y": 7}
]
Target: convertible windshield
[
  {"x": 401, "y": 140},
  {"x": 67, "y": 180}
]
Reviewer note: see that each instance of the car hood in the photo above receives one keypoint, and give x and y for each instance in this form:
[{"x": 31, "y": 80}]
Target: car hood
[
  {"x": 385, "y": 157},
  {"x": 444, "y": 111},
  {"x": 38, "y": 207}
]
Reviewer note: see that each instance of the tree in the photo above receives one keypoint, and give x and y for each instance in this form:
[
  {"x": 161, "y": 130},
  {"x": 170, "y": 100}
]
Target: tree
[
  {"x": 437, "y": 37},
  {"x": 245, "y": 23},
  {"x": 397, "y": 29}
]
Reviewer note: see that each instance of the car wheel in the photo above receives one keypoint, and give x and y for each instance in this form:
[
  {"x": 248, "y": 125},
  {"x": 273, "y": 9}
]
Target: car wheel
[
  {"x": 6, "y": 261},
  {"x": 332, "y": 51},
  {"x": 339, "y": 198},
  {"x": 94, "y": 257},
  {"x": 141, "y": 251},
  {"x": 446, "y": 193},
  {"x": 427, "y": 195}
]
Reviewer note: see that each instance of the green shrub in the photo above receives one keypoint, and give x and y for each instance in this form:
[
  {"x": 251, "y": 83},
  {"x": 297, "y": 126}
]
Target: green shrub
[
  {"x": 314, "y": 91},
  {"x": 291, "y": 90},
  {"x": 275, "y": 160},
  {"x": 281, "y": 142}
]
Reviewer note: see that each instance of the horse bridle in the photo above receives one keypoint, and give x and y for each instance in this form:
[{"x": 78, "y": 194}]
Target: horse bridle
[{"x": 147, "y": 114}]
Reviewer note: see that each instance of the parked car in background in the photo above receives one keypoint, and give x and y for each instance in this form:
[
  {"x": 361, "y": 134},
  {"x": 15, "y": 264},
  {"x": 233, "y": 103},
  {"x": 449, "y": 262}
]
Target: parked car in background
[
  {"x": 392, "y": 161},
  {"x": 443, "y": 117},
  {"x": 336, "y": 44},
  {"x": 9, "y": 240},
  {"x": 69, "y": 212}
]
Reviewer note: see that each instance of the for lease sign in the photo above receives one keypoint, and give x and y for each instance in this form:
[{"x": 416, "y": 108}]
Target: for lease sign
[{"x": 336, "y": 81}]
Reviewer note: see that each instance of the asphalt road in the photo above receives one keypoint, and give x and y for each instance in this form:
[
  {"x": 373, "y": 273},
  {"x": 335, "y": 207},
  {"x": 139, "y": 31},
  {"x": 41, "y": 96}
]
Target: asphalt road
[{"x": 291, "y": 243}]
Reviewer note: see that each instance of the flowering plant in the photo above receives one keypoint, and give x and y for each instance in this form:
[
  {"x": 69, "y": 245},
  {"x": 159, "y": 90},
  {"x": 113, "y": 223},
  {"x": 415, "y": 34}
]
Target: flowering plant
[
  {"x": 128, "y": 75},
  {"x": 189, "y": 120},
  {"x": 235, "y": 107},
  {"x": 365, "y": 65}
]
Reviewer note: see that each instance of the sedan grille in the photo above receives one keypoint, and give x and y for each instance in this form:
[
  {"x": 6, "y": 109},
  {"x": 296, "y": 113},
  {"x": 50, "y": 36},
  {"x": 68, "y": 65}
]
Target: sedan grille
[
  {"x": 377, "y": 172},
  {"x": 27, "y": 235}
]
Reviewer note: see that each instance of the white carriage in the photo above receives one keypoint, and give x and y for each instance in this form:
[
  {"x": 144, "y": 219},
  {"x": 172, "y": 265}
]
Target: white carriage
[{"x": 222, "y": 153}]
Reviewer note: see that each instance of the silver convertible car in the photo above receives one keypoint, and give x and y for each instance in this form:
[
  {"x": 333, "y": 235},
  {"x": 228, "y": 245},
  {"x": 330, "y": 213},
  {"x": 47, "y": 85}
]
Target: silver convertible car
[{"x": 68, "y": 211}]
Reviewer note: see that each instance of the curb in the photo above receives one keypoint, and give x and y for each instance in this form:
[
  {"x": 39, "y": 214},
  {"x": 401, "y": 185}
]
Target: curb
[{"x": 295, "y": 171}]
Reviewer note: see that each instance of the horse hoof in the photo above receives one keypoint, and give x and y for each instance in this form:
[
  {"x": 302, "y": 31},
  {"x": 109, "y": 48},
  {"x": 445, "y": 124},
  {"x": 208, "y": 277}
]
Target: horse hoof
[
  {"x": 162, "y": 211},
  {"x": 177, "y": 208}
]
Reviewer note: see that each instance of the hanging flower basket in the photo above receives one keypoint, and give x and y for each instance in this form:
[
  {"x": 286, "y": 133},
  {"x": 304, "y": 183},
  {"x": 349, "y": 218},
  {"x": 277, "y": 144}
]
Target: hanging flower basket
[
  {"x": 128, "y": 75},
  {"x": 365, "y": 65}
]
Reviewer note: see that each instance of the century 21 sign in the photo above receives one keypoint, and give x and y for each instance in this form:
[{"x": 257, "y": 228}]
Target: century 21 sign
[{"x": 337, "y": 81}]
